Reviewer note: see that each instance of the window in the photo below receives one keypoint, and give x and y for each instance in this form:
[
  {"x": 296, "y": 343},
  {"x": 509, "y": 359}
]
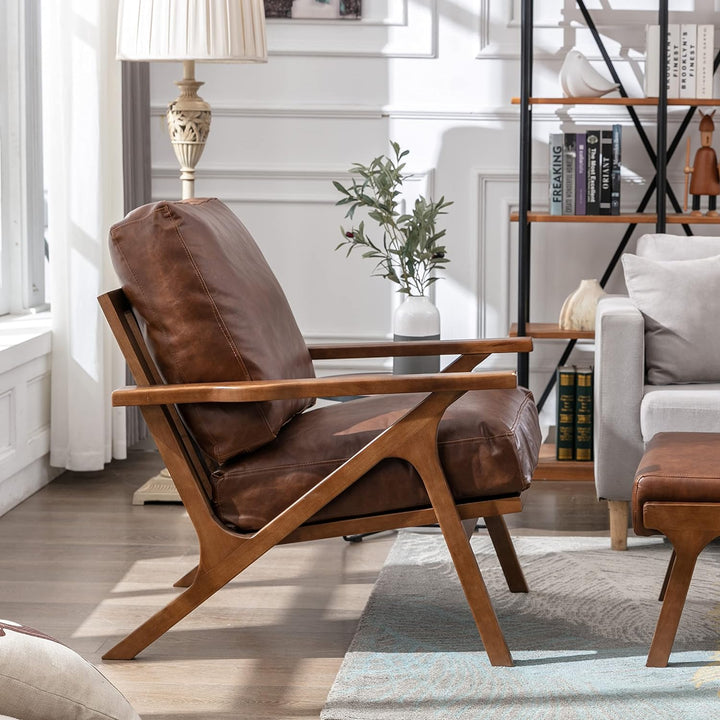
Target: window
[{"x": 22, "y": 214}]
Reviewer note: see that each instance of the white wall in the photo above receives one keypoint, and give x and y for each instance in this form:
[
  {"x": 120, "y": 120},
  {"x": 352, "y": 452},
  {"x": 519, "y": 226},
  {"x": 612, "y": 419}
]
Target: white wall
[{"x": 437, "y": 76}]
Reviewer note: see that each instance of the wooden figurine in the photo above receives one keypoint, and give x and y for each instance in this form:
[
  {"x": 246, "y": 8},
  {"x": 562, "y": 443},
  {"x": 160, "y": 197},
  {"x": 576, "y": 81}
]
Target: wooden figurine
[{"x": 705, "y": 174}]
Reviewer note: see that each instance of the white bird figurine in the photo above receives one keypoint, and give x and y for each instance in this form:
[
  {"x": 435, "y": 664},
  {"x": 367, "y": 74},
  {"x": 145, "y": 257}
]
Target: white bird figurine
[{"x": 579, "y": 78}]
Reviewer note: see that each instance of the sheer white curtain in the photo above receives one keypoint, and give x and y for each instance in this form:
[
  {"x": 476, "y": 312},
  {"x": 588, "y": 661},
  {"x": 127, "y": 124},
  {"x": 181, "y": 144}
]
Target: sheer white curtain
[{"x": 83, "y": 170}]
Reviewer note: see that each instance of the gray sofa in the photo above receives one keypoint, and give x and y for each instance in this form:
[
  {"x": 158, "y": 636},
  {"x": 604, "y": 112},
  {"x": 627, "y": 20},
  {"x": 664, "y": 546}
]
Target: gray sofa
[{"x": 628, "y": 409}]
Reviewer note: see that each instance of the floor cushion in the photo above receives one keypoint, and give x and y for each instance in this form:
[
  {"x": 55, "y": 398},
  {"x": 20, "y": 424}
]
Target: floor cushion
[{"x": 42, "y": 679}]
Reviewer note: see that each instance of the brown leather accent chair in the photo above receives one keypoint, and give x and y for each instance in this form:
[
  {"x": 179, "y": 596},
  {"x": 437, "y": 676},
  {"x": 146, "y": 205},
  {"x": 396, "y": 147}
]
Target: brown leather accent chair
[{"x": 225, "y": 382}]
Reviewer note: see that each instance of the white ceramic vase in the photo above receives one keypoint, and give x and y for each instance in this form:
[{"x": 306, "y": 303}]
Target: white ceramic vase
[
  {"x": 578, "y": 310},
  {"x": 416, "y": 318}
]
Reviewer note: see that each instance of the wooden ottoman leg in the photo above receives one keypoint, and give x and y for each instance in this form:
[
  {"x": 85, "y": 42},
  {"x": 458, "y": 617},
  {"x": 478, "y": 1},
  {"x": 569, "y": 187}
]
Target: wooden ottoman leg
[
  {"x": 661, "y": 596},
  {"x": 689, "y": 527},
  {"x": 672, "y": 607}
]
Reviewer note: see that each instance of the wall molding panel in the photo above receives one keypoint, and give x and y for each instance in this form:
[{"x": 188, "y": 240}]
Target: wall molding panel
[
  {"x": 280, "y": 185},
  {"x": 24, "y": 430},
  {"x": 501, "y": 114},
  {"x": 558, "y": 27}
]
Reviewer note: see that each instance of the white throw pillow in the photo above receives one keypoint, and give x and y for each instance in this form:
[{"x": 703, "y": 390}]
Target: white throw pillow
[
  {"x": 680, "y": 301},
  {"x": 42, "y": 679},
  {"x": 661, "y": 246}
]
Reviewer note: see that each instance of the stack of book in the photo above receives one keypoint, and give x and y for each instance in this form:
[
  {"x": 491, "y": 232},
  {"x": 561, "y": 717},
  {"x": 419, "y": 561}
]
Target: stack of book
[
  {"x": 585, "y": 172},
  {"x": 690, "y": 51},
  {"x": 574, "y": 428}
]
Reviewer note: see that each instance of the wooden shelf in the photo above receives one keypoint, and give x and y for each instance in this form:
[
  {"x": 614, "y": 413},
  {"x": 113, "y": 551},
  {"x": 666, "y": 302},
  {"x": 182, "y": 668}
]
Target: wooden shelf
[
  {"x": 551, "y": 331},
  {"x": 687, "y": 102},
  {"x": 551, "y": 469},
  {"x": 627, "y": 218}
]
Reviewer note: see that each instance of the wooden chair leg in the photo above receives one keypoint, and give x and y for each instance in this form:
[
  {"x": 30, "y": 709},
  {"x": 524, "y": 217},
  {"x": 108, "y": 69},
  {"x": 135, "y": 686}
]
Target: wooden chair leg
[
  {"x": 425, "y": 459},
  {"x": 503, "y": 544},
  {"x": 187, "y": 579},
  {"x": 673, "y": 603},
  {"x": 469, "y": 525},
  {"x": 201, "y": 589},
  {"x": 618, "y": 523},
  {"x": 661, "y": 597}
]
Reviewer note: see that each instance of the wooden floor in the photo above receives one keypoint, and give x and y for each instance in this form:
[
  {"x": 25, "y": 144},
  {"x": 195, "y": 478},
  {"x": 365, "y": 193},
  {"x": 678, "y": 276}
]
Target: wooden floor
[{"x": 83, "y": 564}]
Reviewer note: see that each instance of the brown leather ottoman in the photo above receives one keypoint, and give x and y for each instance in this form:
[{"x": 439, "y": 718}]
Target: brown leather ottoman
[{"x": 677, "y": 494}]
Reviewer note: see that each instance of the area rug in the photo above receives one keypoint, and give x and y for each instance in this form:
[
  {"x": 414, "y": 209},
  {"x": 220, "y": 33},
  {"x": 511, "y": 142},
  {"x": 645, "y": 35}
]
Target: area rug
[{"x": 579, "y": 638}]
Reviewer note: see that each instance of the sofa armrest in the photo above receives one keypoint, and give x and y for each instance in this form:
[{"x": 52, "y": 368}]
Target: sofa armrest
[{"x": 619, "y": 387}]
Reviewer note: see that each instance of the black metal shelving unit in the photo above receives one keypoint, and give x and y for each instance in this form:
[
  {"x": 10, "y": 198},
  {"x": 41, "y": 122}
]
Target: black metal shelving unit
[{"x": 658, "y": 186}]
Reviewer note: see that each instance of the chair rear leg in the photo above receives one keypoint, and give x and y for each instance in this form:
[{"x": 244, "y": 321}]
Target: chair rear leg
[
  {"x": 469, "y": 525},
  {"x": 503, "y": 544},
  {"x": 187, "y": 579}
]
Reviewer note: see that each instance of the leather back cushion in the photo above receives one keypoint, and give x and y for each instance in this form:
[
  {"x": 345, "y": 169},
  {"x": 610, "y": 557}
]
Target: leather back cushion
[{"x": 214, "y": 312}]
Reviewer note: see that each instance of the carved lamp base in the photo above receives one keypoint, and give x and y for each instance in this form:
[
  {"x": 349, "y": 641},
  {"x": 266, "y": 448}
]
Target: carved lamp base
[{"x": 188, "y": 119}]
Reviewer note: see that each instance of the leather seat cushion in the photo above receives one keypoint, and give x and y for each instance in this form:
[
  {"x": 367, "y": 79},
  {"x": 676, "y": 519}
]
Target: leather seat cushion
[
  {"x": 214, "y": 312},
  {"x": 488, "y": 444},
  {"x": 677, "y": 467}
]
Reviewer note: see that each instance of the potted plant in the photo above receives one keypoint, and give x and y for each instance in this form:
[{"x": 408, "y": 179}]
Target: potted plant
[{"x": 408, "y": 252}]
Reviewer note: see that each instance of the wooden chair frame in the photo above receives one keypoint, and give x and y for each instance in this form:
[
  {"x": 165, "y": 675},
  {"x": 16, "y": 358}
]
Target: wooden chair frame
[{"x": 225, "y": 553}]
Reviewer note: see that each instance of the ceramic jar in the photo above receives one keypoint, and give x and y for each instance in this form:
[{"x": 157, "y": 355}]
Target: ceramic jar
[
  {"x": 416, "y": 318},
  {"x": 578, "y": 310}
]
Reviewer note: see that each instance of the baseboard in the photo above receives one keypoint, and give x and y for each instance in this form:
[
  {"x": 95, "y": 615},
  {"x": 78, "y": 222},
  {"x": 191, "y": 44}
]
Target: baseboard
[{"x": 26, "y": 482}]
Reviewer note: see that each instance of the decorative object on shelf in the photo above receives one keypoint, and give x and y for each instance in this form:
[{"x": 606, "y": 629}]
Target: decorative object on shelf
[
  {"x": 186, "y": 31},
  {"x": 410, "y": 249},
  {"x": 578, "y": 78},
  {"x": 416, "y": 318},
  {"x": 578, "y": 310},
  {"x": 705, "y": 178}
]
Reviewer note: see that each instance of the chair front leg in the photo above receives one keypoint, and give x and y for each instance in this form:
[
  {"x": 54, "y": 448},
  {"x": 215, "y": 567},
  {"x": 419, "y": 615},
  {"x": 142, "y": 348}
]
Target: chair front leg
[
  {"x": 420, "y": 449},
  {"x": 427, "y": 464}
]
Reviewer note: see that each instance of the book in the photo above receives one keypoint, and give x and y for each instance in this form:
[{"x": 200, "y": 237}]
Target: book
[
  {"x": 615, "y": 169},
  {"x": 652, "y": 60},
  {"x": 592, "y": 164},
  {"x": 565, "y": 414},
  {"x": 673, "y": 60},
  {"x": 583, "y": 436},
  {"x": 568, "y": 175},
  {"x": 688, "y": 52},
  {"x": 605, "y": 174},
  {"x": 555, "y": 162},
  {"x": 704, "y": 59},
  {"x": 580, "y": 173}
]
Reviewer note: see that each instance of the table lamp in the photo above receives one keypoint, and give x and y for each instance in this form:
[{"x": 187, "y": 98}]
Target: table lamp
[{"x": 190, "y": 31}]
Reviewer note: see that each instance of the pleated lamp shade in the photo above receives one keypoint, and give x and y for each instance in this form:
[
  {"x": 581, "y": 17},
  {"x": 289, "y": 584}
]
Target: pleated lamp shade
[{"x": 203, "y": 30}]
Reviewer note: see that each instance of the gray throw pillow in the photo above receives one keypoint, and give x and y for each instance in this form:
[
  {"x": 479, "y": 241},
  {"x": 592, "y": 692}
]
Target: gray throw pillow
[{"x": 680, "y": 302}]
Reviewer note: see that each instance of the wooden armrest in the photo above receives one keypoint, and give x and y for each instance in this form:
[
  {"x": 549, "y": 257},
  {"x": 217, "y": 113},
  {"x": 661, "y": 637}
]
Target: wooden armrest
[
  {"x": 260, "y": 390},
  {"x": 420, "y": 347}
]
